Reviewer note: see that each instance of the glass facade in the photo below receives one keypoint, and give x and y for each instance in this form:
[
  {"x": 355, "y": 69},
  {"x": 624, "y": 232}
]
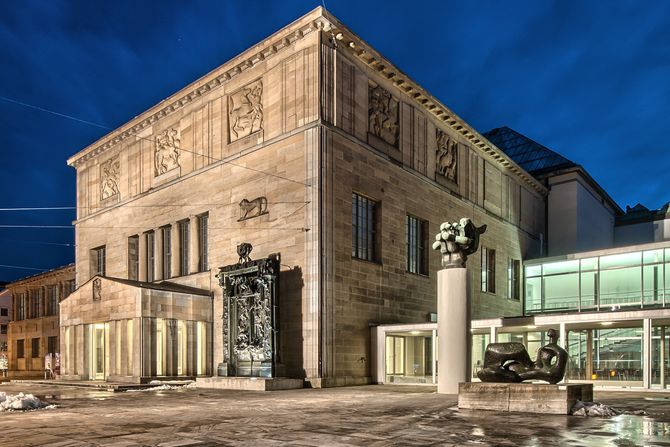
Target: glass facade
[
  {"x": 409, "y": 357},
  {"x": 602, "y": 283}
]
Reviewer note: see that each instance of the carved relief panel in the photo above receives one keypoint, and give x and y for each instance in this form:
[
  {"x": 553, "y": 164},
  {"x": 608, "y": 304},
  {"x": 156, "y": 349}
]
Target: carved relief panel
[
  {"x": 245, "y": 111},
  {"x": 383, "y": 114},
  {"x": 447, "y": 156},
  {"x": 166, "y": 152},
  {"x": 109, "y": 178}
]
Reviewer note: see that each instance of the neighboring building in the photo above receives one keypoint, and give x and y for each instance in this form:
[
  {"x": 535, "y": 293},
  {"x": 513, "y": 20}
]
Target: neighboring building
[
  {"x": 34, "y": 328},
  {"x": 328, "y": 160},
  {"x": 640, "y": 225},
  {"x": 5, "y": 317}
]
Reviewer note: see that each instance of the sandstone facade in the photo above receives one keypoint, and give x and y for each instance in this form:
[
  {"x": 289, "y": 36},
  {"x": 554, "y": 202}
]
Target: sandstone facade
[{"x": 271, "y": 148}]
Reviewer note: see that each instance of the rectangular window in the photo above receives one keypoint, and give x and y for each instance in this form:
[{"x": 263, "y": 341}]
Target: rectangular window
[
  {"x": 184, "y": 235},
  {"x": 3, "y": 329},
  {"x": 513, "y": 278},
  {"x": 52, "y": 345},
  {"x": 20, "y": 306},
  {"x": 4, "y": 312},
  {"x": 151, "y": 260},
  {"x": 69, "y": 287},
  {"x": 203, "y": 264},
  {"x": 20, "y": 349},
  {"x": 98, "y": 261},
  {"x": 36, "y": 298},
  {"x": 35, "y": 348},
  {"x": 167, "y": 252},
  {"x": 363, "y": 231},
  {"x": 417, "y": 256},
  {"x": 53, "y": 295},
  {"x": 134, "y": 257},
  {"x": 488, "y": 270}
]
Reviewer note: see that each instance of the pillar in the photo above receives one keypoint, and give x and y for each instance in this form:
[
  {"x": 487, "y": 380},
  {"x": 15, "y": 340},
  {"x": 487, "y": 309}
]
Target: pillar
[
  {"x": 563, "y": 336},
  {"x": 493, "y": 336},
  {"x": 662, "y": 357},
  {"x": 453, "y": 329},
  {"x": 646, "y": 353},
  {"x": 589, "y": 353}
]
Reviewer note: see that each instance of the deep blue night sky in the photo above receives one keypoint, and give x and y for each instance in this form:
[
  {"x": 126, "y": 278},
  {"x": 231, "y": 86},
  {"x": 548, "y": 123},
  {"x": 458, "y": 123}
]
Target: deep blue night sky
[{"x": 588, "y": 79}]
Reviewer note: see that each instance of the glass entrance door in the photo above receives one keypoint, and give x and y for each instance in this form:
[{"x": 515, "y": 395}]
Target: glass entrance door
[{"x": 98, "y": 354}]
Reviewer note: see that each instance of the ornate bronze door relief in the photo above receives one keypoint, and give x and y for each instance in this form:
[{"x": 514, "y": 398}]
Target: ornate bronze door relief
[{"x": 249, "y": 315}]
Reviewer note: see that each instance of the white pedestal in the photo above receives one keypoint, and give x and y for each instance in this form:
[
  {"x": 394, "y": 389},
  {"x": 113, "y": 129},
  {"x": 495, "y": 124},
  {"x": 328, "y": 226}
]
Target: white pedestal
[{"x": 452, "y": 329}]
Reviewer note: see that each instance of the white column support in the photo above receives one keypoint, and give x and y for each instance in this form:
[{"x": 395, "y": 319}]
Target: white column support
[
  {"x": 453, "y": 329},
  {"x": 563, "y": 336},
  {"x": 646, "y": 353},
  {"x": 434, "y": 357},
  {"x": 663, "y": 347},
  {"x": 493, "y": 335}
]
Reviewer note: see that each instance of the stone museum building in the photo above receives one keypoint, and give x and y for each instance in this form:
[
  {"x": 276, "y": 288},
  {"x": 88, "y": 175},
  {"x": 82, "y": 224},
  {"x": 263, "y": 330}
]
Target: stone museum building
[
  {"x": 33, "y": 331},
  {"x": 262, "y": 219}
]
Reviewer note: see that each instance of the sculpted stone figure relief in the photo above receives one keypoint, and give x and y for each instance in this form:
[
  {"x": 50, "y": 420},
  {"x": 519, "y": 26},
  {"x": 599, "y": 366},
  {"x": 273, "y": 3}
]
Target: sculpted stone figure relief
[
  {"x": 166, "y": 155},
  {"x": 109, "y": 175},
  {"x": 456, "y": 241},
  {"x": 97, "y": 289},
  {"x": 510, "y": 362},
  {"x": 447, "y": 156},
  {"x": 253, "y": 208},
  {"x": 245, "y": 111},
  {"x": 383, "y": 114}
]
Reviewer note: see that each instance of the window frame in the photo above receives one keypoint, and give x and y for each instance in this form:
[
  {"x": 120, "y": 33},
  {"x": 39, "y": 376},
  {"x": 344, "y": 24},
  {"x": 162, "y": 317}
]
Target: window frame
[
  {"x": 32, "y": 348},
  {"x": 416, "y": 243},
  {"x": 514, "y": 279},
  {"x": 21, "y": 349},
  {"x": 166, "y": 233},
  {"x": 150, "y": 242},
  {"x": 364, "y": 227},
  {"x": 99, "y": 261},
  {"x": 184, "y": 236},
  {"x": 203, "y": 242},
  {"x": 134, "y": 257},
  {"x": 488, "y": 270}
]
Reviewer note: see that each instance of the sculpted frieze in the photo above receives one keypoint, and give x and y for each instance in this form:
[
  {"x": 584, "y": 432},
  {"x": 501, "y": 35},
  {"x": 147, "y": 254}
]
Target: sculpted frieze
[
  {"x": 447, "y": 156},
  {"x": 383, "y": 111},
  {"x": 166, "y": 154},
  {"x": 109, "y": 178},
  {"x": 245, "y": 111}
]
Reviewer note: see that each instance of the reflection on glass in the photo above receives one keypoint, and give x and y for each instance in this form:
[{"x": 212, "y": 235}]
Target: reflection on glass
[{"x": 409, "y": 357}]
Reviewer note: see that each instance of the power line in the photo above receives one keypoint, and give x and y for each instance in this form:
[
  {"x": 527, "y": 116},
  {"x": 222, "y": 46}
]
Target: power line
[
  {"x": 22, "y": 268},
  {"x": 36, "y": 226},
  {"x": 38, "y": 242},
  {"x": 42, "y": 208},
  {"x": 64, "y": 115}
]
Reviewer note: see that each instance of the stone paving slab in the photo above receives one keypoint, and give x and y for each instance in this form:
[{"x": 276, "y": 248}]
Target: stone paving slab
[{"x": 374, "y": 415}]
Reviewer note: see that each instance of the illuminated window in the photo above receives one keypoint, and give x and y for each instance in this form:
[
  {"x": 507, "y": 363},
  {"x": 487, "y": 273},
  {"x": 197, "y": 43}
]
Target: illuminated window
[{"x": 488, "y": 270}]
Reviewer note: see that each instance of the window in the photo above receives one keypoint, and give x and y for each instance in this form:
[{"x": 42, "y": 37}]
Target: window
[
  {"x": 134, "y": 257},
  {"x": 203, "y": 263},
  {"x": 69, "y": 287},
  {"x": 20, "y": 306},
  {"x": 98, "y": 261},
  {"x": 184, "y": 234},
  {"x": 36, "y": 298},
  {"x": 513, "y": 278},
  {"x": 35, "y": 348},
  {"x": 167, "y": 252},
  {"x": 417, "y": 256},
  {"x": 53, "y": 295},
  {"x": 52, "y": 345},
  {"x": 488, "y": 270},
  {"x": 20, "y": 349},
  {"x": 4, "y": 312},
  {"x": 151, "y": 260},
  {"x": 363, "y": 221},
  {"x": 3, "y": 329}
]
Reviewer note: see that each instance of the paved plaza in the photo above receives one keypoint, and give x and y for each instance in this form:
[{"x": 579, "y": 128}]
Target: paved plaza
[{"x": 358, "y": 416}]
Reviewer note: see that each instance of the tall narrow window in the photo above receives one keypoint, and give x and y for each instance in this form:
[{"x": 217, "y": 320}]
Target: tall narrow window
[
  {"x": 151, "y": 260},
  {"x": 513, "y": 278},
  {"x": 20, "y": 306},
  {"x": 488, "y": 270},
  {"x": 98, "y": 261},
  {"x": 36, "y": 299},
  {"x": 35, "y": 348},
  {"x": 363, "y": 222},
  {"x": 134, "y": 257},
  {"x": 52, "y": 345},
  {"x": 20, "y": 349},
  {"x": 167, "y": 252},
  {"x": 417, "y": 259},
  {"x": 203, "y": 263},
  {"x": 53, "y": 297},
  {"x": 184, "y": 236}
]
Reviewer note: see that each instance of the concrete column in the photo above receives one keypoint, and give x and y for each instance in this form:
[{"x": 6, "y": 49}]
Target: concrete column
[
  {"x": 493, "y": 336},
  {"x": 646, "y": 353},
  {"x": 563, "y": 336},
  {"x": 138, "y": 350},
  {"x": 110, "y": 342},
  {"x": 176, "y": 250},
  {"x": 142, "y": 257},
  {"x": 158, "y": 254},
  {"x": 453, "y": 329},
  {"x": 589, "y": 353},
  {"x": 662, "y": 359},
  {"x": 193, "y": 251},
  {"x": 434, "y": 365}
]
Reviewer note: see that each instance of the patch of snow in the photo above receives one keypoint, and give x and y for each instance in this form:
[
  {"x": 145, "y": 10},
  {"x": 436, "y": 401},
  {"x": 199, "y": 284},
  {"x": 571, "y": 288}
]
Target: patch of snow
[
  {"x": 596, "y": 409},
  {"x": 166, "y": 385},
  {"x": 21, "y": 402}
]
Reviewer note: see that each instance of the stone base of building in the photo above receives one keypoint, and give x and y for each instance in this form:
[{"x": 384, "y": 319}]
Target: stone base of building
[
  {"x": 523, "y": 397},
  {"x": 249, "y": 383},
  {"x": 331, "y": 382}
]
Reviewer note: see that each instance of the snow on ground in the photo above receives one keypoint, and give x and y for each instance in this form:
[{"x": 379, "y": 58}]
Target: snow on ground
[
  {"x": 14, "y": 402},
  {"x": 166, "y": 385},
  {"x": 596, "y": 409}
]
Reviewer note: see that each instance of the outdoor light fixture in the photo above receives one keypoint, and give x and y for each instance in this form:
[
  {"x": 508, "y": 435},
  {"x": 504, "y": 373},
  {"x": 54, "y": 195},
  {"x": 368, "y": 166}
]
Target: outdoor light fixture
[{"x": 606, "y": 323}]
